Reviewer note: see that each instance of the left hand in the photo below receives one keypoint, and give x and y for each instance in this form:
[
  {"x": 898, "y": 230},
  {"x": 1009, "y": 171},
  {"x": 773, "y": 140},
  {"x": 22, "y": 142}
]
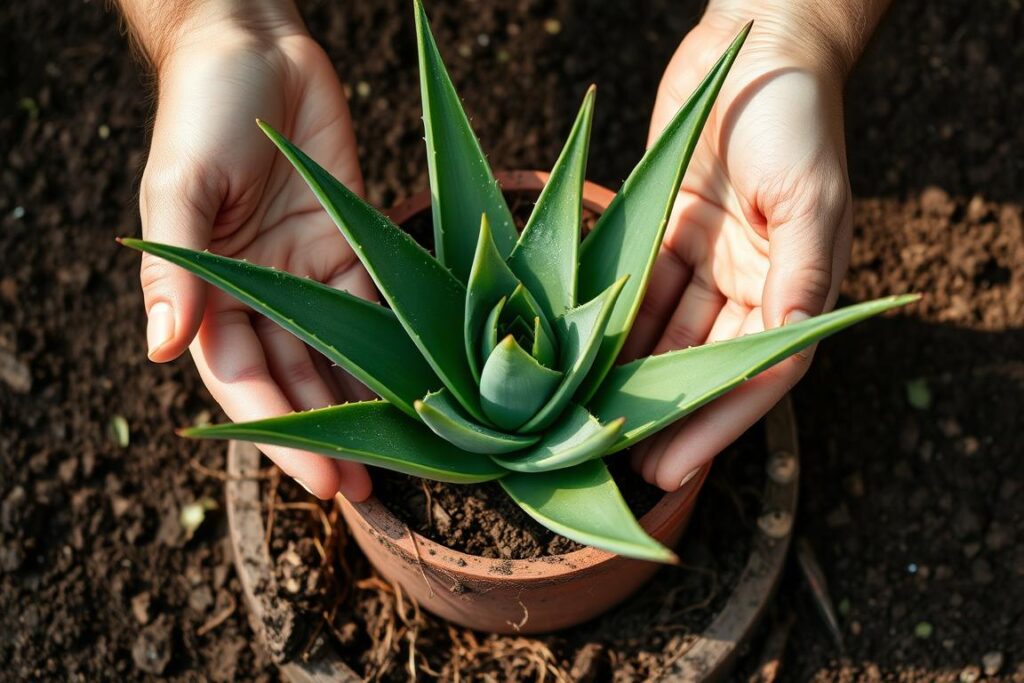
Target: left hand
[{"x": 760, "y": 234}]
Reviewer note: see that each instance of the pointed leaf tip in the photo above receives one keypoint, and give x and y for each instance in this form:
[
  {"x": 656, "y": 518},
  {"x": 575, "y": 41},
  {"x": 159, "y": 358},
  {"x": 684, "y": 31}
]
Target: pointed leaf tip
[
  {"x": 654, "y": 392},
  {"x": 546, "y": 256},
  {"x": 638, "y": 216},
  {"x": 461, "y": 181}
]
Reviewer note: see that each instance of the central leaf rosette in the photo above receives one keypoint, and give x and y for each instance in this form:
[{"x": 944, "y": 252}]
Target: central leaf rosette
[{"x": 529, "y": 353}]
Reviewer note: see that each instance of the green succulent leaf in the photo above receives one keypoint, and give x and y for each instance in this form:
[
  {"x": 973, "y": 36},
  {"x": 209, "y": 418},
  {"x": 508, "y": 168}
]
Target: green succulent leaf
[
  {"x": 490, "y": 281},
  {"x": 543, "y": 346},
  {"x": 489, "y": 336},
  {"x": 627, "y": 236},
  {"x": 372, "y": 433},
  {"x": 513, "y": 385},
  {"x": 461, "y": 181},
  {"x": 576, "y": 438},
  {"x": 521, "y": 304},
  {"x": 546, "y": 257},
  {"x": 427, "y": 299},
  {"x": 654, "y": 392},
  {"x": 443, "y": 415},
  {"x": 584, "y": 504},
  {"x": 580, "y": 332},
  {"x": 363, "y": 337}
]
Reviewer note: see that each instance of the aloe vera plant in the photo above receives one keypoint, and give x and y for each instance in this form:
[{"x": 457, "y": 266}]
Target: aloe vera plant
[{"x": 495, "y": 360}]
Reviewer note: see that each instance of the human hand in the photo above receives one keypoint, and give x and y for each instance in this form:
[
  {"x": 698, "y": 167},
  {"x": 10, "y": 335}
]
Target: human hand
[
  {"x": 213, "y": 181},
  {"x": 760, "y": 234}
]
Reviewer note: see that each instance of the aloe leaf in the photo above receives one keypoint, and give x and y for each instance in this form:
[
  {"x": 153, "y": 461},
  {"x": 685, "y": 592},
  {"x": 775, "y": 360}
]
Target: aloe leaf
[
  {"x": 363, "y": 337},
  {"x": 584, "y": 504},
  {"x": 522, "y": 304},
  {"x": 461, "y": 183},
  {"x": 443, "y": 415},
  {"x": 427, "y": 299},
  {"x": 576, "y": 438},
  {"x": 580, "y": 332},
  {"x": 627, "y": 236},
  {"x": 490, "y": 281},
  {"x": 489, "y": 337},
  {"x": 513, "y": 385},
  {"x": 543, "y": 346},
  {"x": 546, "y": 257},
  {"x": 654, "y": 392},
  {"x": 372, "y": 433}
]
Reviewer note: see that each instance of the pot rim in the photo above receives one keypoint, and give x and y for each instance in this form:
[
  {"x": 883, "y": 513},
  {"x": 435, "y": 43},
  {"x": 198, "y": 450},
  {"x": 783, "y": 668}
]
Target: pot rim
[{"x": 413, "y": 545}]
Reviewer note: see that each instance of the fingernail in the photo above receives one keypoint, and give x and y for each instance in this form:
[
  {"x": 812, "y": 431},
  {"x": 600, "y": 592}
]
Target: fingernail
[
  {"x": 305, "y": 486},
  {"x": 796, "y": 316},
  {"x": 688, "y": 477},
  {"x": 160, "y": 327}
]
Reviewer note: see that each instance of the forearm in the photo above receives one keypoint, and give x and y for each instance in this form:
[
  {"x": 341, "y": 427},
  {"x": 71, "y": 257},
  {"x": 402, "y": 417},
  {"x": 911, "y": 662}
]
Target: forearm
[
  {"x": 830, "y": 32},
  {"x": 158, "y": 27}
]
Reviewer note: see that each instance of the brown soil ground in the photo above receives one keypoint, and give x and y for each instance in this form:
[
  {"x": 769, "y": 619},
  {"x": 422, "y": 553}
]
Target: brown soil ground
[{"x": 916, "y": 513}]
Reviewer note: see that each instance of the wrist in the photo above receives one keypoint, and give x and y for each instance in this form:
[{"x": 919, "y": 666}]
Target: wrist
[
  {"x": 164, "y": 28},
  {"x": 824, "y": 36}
]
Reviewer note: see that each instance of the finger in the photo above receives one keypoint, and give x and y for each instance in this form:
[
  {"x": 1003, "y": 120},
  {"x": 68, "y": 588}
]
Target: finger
[
  {"x": 693, "y": 318},
  {"x": 230, "y": 360},
  {"x": 176, "y": 208},
  {"x": 802, "y": 278},
  {"x": 711, "y": 429},
  {"x": 729, "y": 322},
  {"x": 291, "y": 366},
  {"x": 732, "y": 317}
]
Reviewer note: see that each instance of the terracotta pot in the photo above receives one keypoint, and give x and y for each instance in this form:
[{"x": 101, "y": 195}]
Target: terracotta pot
[{"x": 506, "y": 596}]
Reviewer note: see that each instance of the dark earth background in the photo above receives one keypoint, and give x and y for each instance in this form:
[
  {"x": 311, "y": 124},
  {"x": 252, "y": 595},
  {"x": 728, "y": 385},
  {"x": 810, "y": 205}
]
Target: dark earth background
[{"x": 916, "y": 512}]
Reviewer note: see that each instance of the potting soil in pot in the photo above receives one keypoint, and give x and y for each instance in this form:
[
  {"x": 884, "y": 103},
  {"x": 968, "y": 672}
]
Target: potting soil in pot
[{"x": 378, "y": 629}]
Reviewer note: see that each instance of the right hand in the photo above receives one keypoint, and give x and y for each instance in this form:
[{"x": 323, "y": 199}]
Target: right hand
[{"x": 213, "y": 181}]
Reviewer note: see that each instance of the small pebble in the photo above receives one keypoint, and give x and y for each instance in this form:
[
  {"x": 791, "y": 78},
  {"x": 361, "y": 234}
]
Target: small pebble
[
  {"x": 363, "y": 89},
  {"x": 997, "y": 537},
  {"x": 782, "y": 467},
  {"x": 103, "y": 131},
  {"x": 992, "y": 662},
  {"x": 553, "y": 26},
  {"x": 140, "y": 607},
  {"x": 950, "y": 428},
  {"x": 465, "y": 51},
  {"x": 15, "y": 373},
  {"x": 153, "y": 647},
  {"x": 18, "y": 212},
  {"x": 776, "y": 524},
  {"x": 483, "y": 39},
  {"x": 969, "y": 445},
  {"x": 976, "y": 209},
  {"x": 970, "y": 674},
  {"x": 923, "y": 630}
]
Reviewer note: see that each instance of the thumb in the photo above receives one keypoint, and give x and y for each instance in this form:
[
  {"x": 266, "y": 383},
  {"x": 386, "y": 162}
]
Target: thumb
[
  {"x": 176, "y": 209},
  {"x": 808, "y": 254}
]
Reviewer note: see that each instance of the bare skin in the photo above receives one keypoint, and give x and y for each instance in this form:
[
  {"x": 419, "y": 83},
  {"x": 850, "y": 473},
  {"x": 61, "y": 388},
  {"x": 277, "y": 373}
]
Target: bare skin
[{"x": 760, "y": 234}]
